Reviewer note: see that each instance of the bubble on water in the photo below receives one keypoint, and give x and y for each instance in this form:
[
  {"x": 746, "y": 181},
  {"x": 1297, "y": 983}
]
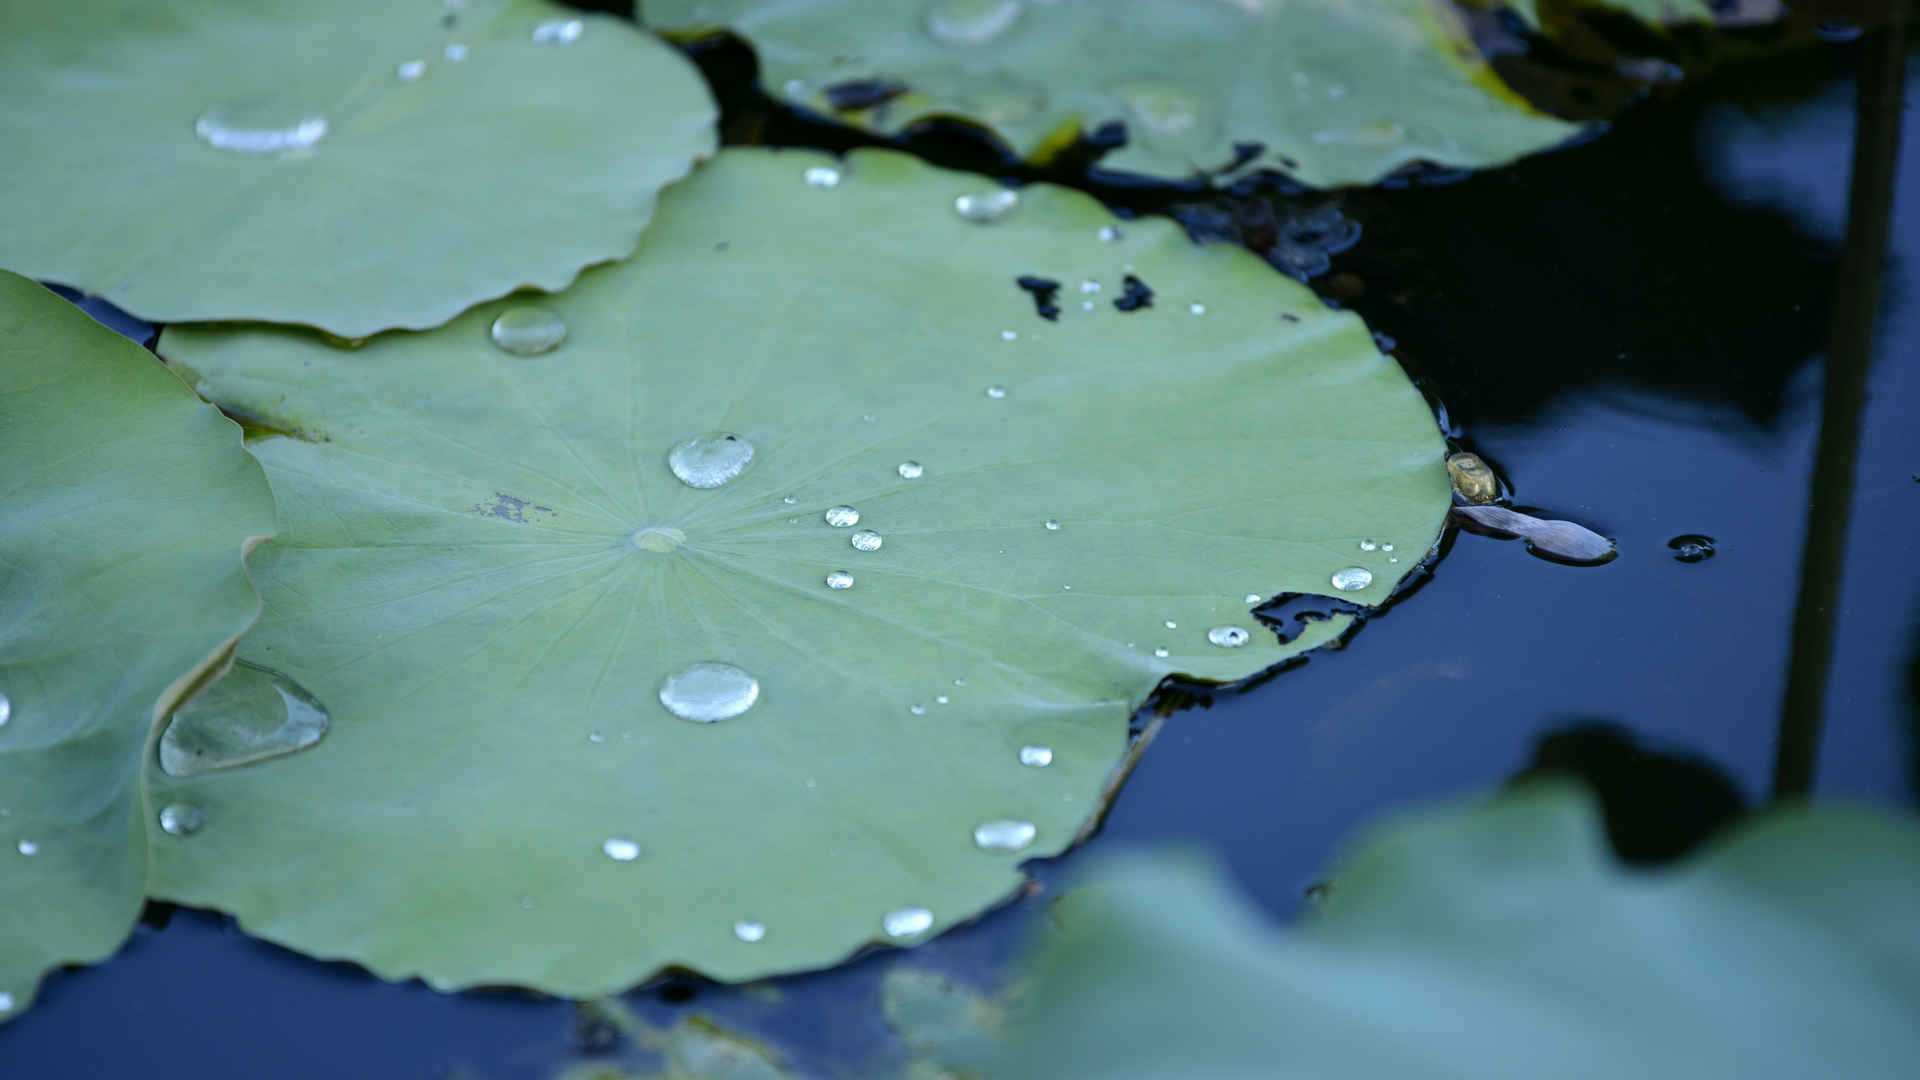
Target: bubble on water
[
  {"x": 251, "y": 714},
  {"x": 1038, "y": 757},
  {"x": 971, "y": 22},
  {"x": 558, "y": 31},
  {"x": 822, "y": 176},
  {"x": 455, "y": 52},
  {"x": 1051, "y": 525},
  {"x": 27, "y": 847},
  {"x": 1003, "y": 835},
  {"x": 528, "y": 330},
  {"x": 1110, "y": 235},
  {"x": 907, "y": 922},
  {"x": 1197, "y": 309},
  {"x": 749, "y": 932},
  {"x": 911, "y": 470},
  {"x": 1691, "y": 547},
  {"x": 1351, "y": 578},
  {"x": 841, "y": 517},
  {"x": 620, "y": 849},
  {"x": 411, "y": 70},
  {"x": 996, "y": 392},
  {"x": 181, "y": 819},
  {"x": 1227, "y": 637},
  {"x": 839, "y": 579},
  {"x": 1161, "y": 653},
  {"x": 987, "y": 207},
  {"x": 260, "y": 127},
  {"x": 710, "y": 459},
  {"x": 709, "y": 691},
  {"x": 866, "y": 540},
  {"x": 1253, "y": 598},
  {"x": 659, "y": 538}
]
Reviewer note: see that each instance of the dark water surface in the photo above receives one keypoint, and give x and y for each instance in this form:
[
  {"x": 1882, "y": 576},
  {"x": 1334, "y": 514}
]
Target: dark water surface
[{"x": 1631, "y": 331}]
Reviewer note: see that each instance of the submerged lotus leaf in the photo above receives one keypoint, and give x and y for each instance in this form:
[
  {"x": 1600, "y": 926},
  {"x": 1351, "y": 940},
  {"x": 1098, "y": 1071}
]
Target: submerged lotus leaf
[
  {"x": 125, "y": 503},
  {"x": 272, "y": 159},
  {"x": 1538, "y": 13},
  {"x": 1332, "y": 91},
  {"x": 494, "y": 580},
  {"x": 1502, "y": 941}
]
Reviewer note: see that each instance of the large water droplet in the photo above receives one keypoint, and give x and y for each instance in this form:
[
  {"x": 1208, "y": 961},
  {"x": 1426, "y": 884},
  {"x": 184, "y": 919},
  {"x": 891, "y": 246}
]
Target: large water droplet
[
  {"x": 1227, "y": 637},
  {"x": 659, "y": 538},
  {"x": 839, "y": 579},
  {"x": 620, "y": 849},
  {"x": 253, "y": 713},
  {"x": 710, "y": 459},
  {"x": 987, "y": 207},
  {"x": 907, "y": 922},
  {"x": 1003, "y": 835},
  {"x": 866, "y": 540},
  {"x": 1352, "y": 578},
  {"x": 559, "y": 31},
  {"x": 1038, "y": 757},
  {"x": 27, "y": 847},
  {"x": 841, "y": 517},
  {"x": 709, "y": 691},
  {"x": 971, "y": 22},
  {"x": 181, "y": 819},
  {"x": 911, "y": 470},
  {"x": 528, "y": 330},
  {"x": 822, "y": 176},
  {"x": 749, "y": 931},
  {"x": 260, "y": 127}
]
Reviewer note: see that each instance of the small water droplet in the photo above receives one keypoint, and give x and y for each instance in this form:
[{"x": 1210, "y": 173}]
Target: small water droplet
[
  {"x": 528, "y": 330},
  {"x": 27, "y": 847},
  {"x": 595, "y": 737},
  {"x": 1052, "y": 525},
  {"x": 181, "y": 819},
  {"x": 1197, "y": 309},
  {"x": 1393, "y": 558},
  {"x": 1352, "y": 578},
  {"x": 1003, "y": 835},
  {"x": 1171, "y": 625},
  {"x": 911, "y": 470},
  {"x": 1691, "y": 547},
  {"x": 822, "y": 176},
  {"x": 987, "y": 207},
  {"x": 1227, "y": 637},
  {"x": 526, "y": 903},
  {"x": 620, "y": 849},
  {"x": 866, "y": 540},
  {"x": 971, "y": 22},
  {"x": 260, "y": 127},
  {"x": 790, "y": 500},
  {"x": 253, "y": 713},
  {"x": 1089, "y": 286},
  {"x": 1110, "y": 235},
  {"x": 6, "y": 709},
  {"x": 959, "y": 682},
  {"x": 841, "y": 517},
  {"x": 709, "y": 691},
  {"x": 710, "y": 459},
  {"x": 455, "y": 52},
  {"x": 1086, "y": 305},
  {"x": 749, "y": 931},
  {"x": 1009, "y": 335},
  {"x": 907, "y": 922},
  {"x": 1253, "y": 598},
  {"x": 1368, "y": 545},
  {"x": 940, "y": 700},
  {"x": 1161, "y": 653},
  {"x": 839, "y": 579},
  {"x": 917, "y": 710},
  {"x": 1038, "y": 757},
  {"x": 996, "y": 392},
  {"x": 558, "y": 32},
  {"x": 411, "y": 70},
  {"x": 1386, "y": 547}
]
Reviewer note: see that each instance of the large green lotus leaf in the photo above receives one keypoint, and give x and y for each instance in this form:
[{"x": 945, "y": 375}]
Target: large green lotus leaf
[
  {"x": 1503, "y": 941},
  {"x": 516, "y": 164},
  {"x": 1334, "y": 91},
  {"x": 125, "y": 504},
  {"x": 488, "y": 569}
]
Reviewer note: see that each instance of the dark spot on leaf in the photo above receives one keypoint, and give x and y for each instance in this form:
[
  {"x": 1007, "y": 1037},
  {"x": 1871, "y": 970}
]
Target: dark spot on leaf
[
  {"x": 1134, "y": 294},
  {"x": 511, "y": 508},
  {"x": 1288, "y": 316},
  {"x": 1044, "y": 292},
  {"x": 857, "y": 94}
]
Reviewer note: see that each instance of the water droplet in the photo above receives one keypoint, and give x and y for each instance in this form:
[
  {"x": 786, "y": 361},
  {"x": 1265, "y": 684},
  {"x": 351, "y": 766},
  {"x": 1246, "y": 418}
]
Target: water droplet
[
  {"x": 1227, "y": 637},
  {"x": 1691, "y": 547},
  {"x": 1368, "y": 545},
  {"x": 27, "y": 847},
  {"x": 659, "y": 538},
  {"x": 1253, "y": 598},
  {"x": 1052, "y": 525},
  {"x": 1161, "y": 653},
  {"x": 1009, "y": 335},
  {"x": 959, "y": 682},
  {"x": 822, "y": 176},
  {"x": 1171, "y": 625},
  {"x": 528, "y": 330},
  {"x": 455, "y": 52},
  {"x": 181, "y": 819},
  {"x": 1110, "y": 235},
  {"x": 6, "y": 709},
  {"x": 1393, "y": 558},
  {"x": 1003, "y": 835},
  {"x": 526, "y": 903},
  {"x": 260, "y": 127},
  {"x": 917, "y": 710},
  {"x": 987, "y": 207},
  {"x": 940, "y": 700},
  {"x": 866, "y": 540},
  {"x": 907, "y": 922},
  {"x": 911, "y": 470},
  {"x": 709, "y": 691},
  {"x": 411, "y": 70},
  {"x": 749, "y": 931},
  {"x": 1352, "y": 578},
  {"x": 839, "y": 579},
  {"x": 790, "y": 500},
  {"x": 710, "y": 459},
  {"x": 253, "y": 713},
  {"x": 1089, "y": 286},
  {"x": 841, "y": 517},
  {"x": 971, "y": 22},
  {"x": 996, "y": 392},
  {"x": 595, "y": 737},
  {"x": 1386, "y": 547},
  {"x": 558, "y": 32},
  {"x": 1197, "y": 309},
  {"x": 1038, "y": 757},
  {"x": 1086, "y": 305},
  {"x": 620, "y": 849}
]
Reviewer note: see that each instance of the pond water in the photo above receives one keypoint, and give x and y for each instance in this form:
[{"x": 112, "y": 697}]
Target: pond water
[{"x": 1630, "y": 330}]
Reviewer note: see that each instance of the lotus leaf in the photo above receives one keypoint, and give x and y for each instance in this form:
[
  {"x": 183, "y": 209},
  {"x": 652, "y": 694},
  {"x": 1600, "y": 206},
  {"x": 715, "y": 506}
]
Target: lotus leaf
[
  {"x": 1653, "y": 12},
  {"x": 355, "y": 190},
  {"x": 1503, "y": 941},
  {"x": 492, "y": 578},
  {"x": 1331, "y": 91},
  {"x": 124, "y": 511}
]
